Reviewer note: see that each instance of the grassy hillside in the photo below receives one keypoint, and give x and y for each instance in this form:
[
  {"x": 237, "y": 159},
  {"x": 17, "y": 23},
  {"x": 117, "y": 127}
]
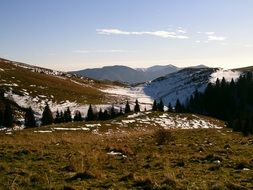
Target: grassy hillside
[
  {"x": 126, "y": 157},
  {"x": 50, "y": 85}
]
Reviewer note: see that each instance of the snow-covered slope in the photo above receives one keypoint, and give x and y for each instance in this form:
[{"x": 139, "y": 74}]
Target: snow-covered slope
[
  {"x": 178, "y": 85},
  {"x": 26, "y": 85},
  {"x": 181, "y": 85}
]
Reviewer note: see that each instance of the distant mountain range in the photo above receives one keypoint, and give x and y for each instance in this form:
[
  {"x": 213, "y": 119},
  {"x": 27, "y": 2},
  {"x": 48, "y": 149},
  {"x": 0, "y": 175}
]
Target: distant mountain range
[{"x": 129, "y": 75}]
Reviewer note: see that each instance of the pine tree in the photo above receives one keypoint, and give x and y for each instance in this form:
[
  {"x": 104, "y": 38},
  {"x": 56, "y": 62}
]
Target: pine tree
[
  {"x": 61, "y": 120},
  {"x": 47, "y": 117},
  {"x": 8, "y": 116},
  {"x": 154, "y": 107},
  {"x": 178, "y": 107},
  {"x": 120, "y": 111},
  {"x": 170, "y": 109},
  {"x": 137, "y": 106},
  {"x": 127, "y": 108},
  {"x": 57, "y": 117},
  {"x": 1, "y": 118},
  {"x": 78, "y": 116},
  {"x": 1, "y": 93},
  {"x": 29, "y": 118},
  {"x": 90, "y": 114},
  {"x": 67, "y": 115},
  {"x": 217, "y": 83},
  {"x": 113, "y": 112},
  {"x": 106, "y": 116},
  {"x": 161, "y": 106},
  {"x": 100, "y": 115}
]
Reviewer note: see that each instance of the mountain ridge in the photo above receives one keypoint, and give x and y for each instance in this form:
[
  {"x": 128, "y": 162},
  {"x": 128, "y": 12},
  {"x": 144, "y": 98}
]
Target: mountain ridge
[
  {"x": 130, "y": 75},
  {"x": 126, "y": 74}
]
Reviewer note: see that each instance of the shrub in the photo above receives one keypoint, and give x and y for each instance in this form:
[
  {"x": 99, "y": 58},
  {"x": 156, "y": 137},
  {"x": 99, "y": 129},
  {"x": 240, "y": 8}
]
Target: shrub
[{"x": 163, "y": 136}]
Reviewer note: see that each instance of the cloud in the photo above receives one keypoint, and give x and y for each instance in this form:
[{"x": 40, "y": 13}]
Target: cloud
[
  {"x": 181, "y": 31},
  {"x": 112, "y": 31},
  {"x": 216, "y": 38},
  {"x": 159, "y": 33},
  {"x": 101, "y": 51},
  {"x": 209, "y": 33}
]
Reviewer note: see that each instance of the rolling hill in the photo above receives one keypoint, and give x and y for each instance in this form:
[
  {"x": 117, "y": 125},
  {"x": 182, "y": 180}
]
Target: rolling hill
[{"x": 26, "y": 85}]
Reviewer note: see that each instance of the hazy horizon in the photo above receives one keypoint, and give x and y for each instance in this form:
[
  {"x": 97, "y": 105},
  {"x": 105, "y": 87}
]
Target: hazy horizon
[{"x": 74, "y": 35}]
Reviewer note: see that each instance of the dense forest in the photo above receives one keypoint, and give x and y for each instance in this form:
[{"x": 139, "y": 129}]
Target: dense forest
[{"x": 228, "y": 101}]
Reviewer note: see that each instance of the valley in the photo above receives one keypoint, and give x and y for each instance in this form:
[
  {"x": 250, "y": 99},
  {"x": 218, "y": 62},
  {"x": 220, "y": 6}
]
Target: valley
[{"x": 137, "y": 150}]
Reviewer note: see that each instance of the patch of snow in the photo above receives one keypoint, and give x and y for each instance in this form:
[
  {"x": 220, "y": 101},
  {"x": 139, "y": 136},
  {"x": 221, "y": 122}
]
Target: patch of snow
[
  {"x": 135, "y": 115},
  {"x": 41, "y": 131},
  {"x": 9, "y": 84},
  {"x": 227, "y": 74},
  {"x": 85, "y": 129},
  {"x": 116, "y": 154},
  {"x": 131, "y": 93},
  {"x": 93, "y": 125},
  {"x": 42, "y": 96},
  {"x": 66, "y": 129},
  {"x": 128, "y": 121}
]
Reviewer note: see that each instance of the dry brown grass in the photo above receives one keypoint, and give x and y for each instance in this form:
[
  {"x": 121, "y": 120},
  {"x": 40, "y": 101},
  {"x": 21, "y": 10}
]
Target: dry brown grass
[
  {"x": 79, "y": 160},
  {"x": 83, "y": 91}
]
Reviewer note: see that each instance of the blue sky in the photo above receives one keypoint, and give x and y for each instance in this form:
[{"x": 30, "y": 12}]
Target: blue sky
[{"x": 76, "y": 34}]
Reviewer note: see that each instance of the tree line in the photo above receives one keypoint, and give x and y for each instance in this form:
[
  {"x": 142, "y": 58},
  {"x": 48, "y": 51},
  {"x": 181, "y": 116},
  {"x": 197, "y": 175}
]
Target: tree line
[
  {"x": 7, "y": 117},
  {"x": 228, "y": 101}
]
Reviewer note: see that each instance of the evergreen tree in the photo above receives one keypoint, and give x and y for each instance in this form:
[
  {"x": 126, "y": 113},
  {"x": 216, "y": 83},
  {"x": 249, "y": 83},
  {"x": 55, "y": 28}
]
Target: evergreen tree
[
  {"x": 100, "y": 115},
  {"x": 67, "y": 115},
  {"x": 137, "y": 106},
  {"x": 29, "y": 118},
  {"x": 61, "y": 120},
  {"x": 178, "y": 107},
  {"x": 1, "y": 93},
  {"x": 90, "y": 114},
  {"x": 8, "y": 116},
  {"x": 78, "y": 116},
  {"x": 1, "y": 118},
  {"x": 112, "y": 112},
  {"x": 170, "y": 109},
  {"x": 106, "y": 116},
  {"x": 160, "y": 106},
  {"x": 127, "y": 108},
  {"x": 47, "y": 117},
  {"x": 57, "y": 118},
  {"x": 217, "y": 83},
  {"x": 154, "y": 107},
  {"x": 120, "y": 111},
  {"x": 229, "y": 101}
]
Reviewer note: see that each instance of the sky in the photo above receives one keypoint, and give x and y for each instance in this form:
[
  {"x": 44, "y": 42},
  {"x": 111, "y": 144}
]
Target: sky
[{"x": 77, "y": 34}]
